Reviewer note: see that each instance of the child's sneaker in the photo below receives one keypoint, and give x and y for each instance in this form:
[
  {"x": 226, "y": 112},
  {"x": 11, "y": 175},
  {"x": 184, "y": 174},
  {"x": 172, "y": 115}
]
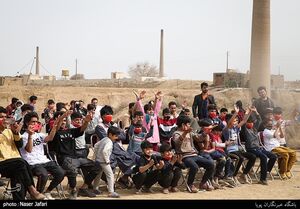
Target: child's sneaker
[
  {"x": 114, "y": 195},
  {"x": 174, "y": 189},
  {"x": 284, "y": 176},
  {"x": 86, "y": 193},
  {"x": 192, "y": 189},
  {"x": 49, "y": 196},
  {"x": 288, "y": 174},
  {"x": 138, "y": 191},
  {"x": 206, "y": 186},
  {"x": 217, "y": 186},
  {"x": 95, "y": 191},
  {"x": 236, "y": 181},
  {"x": 165, "y": 191},
  {"x": 123, "y": 183},
  {"x": 73, "y": 194},
  {"x": 147, "y": 190},
  {"x": 263, "y": 182}
]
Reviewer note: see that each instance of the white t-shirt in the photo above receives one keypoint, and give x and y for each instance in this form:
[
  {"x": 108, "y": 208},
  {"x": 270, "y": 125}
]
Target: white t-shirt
[
  {"x": 103, "y": 150},
  {"x": 37, "y": 155},
  {"x": 233, "y": 136},
  {"x": 97, "y": 112},
  {"x": 270, "y": 141},
  {"x": 79, "y": 141}
]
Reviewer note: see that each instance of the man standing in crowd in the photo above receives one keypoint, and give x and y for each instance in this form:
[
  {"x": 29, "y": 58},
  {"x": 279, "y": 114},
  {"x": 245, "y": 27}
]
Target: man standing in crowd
[
  {"x": 201, "y": 102},
  {"x": 263, "y": 102}
]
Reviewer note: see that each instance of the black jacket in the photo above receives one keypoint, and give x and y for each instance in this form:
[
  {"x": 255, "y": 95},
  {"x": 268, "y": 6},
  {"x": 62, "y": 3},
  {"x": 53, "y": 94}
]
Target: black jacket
[{"x": 200, "y": 105}]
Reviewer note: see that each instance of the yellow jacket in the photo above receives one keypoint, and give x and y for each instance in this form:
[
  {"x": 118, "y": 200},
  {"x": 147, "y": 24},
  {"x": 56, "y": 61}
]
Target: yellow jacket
[{"x": 8, "y": 149}]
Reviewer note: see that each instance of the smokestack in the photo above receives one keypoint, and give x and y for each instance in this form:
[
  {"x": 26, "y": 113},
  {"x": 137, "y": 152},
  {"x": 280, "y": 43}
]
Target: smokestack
[
  {"x": 76, "y": 72},
  {"x": 37, "y": 62},
  {"x": 227, "y": 54},
  {"x": 161, "y": 60},
  {"x": 260, "y": 47}
]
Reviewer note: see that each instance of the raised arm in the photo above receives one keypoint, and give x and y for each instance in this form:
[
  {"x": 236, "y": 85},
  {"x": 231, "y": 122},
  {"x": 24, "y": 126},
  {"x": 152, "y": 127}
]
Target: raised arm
[
  {"x": 57, "y": 124},
  {"x": 158, "y": 102},
  {"x": 29, "y": 144},
  {"x": 230, "y": 122},
  {"x": 138, "y": 104},
  {"x": 258, "y": 118},
  {"x": 247, "y": 115},
  {"x": 279, "y": 129},
  {"x": 87, "y": 119}
]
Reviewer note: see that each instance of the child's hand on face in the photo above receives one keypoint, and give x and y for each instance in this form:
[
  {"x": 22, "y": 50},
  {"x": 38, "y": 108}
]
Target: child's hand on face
[
  {"x": 88, "y": 118},
  {"x": 278, "y": 124},
  {"x": 190, "y": 129},
  {"x": 16, "y": 128},
  {"x": 174, "y": 159},
  {"x": 186, "y": 128},
  {"x": 30, "y": 129}
]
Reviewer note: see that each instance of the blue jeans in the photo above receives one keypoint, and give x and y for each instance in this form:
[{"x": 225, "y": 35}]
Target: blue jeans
[
  {"x": 265, "y": 164},
  {"x": 222, "y": 162},
  {"x": 240, "y": 156},
  {"x": 193, "y": 163}
]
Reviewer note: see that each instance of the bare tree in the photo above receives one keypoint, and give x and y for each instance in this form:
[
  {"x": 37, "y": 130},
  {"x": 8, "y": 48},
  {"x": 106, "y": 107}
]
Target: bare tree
[
  {"x": 77, "y": 77},
  {"x": 143, "y": 69}
]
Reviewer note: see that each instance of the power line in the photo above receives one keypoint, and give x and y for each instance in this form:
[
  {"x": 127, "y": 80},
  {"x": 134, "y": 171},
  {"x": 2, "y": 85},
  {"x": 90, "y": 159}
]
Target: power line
[
  {"x": 25, "y": 66},
  {"x": 30, "y": 71},
  {"x": 45, "y": 69}
]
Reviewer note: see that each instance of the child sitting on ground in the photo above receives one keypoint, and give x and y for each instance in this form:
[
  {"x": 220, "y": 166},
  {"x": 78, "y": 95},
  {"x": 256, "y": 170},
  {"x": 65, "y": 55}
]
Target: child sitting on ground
[
  {"x": 171, "y": 171},
  {"x": 147, "y": 169}
]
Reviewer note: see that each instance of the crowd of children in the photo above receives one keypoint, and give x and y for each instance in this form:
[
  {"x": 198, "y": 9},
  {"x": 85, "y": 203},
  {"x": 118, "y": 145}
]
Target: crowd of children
[{"x": 206, "y": 139}]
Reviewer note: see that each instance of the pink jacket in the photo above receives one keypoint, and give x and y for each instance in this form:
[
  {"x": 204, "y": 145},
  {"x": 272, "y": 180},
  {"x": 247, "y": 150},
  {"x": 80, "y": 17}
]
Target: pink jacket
[{"x": 155, "y": 137}]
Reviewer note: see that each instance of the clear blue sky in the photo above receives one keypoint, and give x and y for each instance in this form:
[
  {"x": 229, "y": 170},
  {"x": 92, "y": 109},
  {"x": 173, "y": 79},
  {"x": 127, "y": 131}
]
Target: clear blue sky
[{"x": 111, "y": 35}]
